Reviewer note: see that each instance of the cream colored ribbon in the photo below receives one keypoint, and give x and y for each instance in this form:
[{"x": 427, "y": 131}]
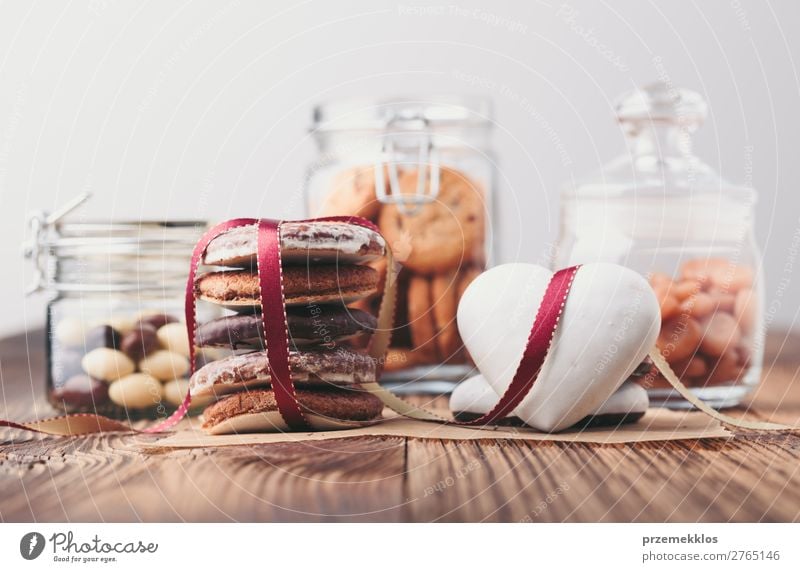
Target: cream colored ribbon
[{"x": 666, "y": 371}]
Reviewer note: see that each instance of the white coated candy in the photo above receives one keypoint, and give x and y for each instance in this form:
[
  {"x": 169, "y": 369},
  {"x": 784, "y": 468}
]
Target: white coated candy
[
  {"x": 165, "y": 365},
  {"x": 121, "y": 323},
  {"x": 70, "y": 332},
  {"x": 137, "y": 390},
  {"x": 174, "y": 338},
  {"x": 608, "y": 325},
  {"x": 175, "y": 392},
  {"x": 107, "y": 364}
]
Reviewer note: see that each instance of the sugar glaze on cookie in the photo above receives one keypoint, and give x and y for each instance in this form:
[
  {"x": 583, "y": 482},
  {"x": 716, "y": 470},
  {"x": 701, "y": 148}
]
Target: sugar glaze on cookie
[{"x": 301, "y": 242}]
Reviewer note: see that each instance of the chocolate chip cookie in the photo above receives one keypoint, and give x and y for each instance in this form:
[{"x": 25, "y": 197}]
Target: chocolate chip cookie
[{"x": 442, "y": 234}]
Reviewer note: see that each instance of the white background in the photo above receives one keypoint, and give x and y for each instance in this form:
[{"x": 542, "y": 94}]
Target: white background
[{"x": 152, "y": 104}]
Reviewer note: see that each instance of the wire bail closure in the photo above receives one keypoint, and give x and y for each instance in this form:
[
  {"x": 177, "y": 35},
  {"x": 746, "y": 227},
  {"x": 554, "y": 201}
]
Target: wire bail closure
[
  {"x": 411, "y": 131},
  {"x": 34, "y": 249}
]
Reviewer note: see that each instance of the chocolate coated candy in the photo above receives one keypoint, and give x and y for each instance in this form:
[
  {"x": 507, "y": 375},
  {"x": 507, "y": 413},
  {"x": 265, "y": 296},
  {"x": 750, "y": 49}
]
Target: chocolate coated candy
[
  {"x": 140, "y": 341},
  {"x": 157, "y": 320},
  {"x": 103, "y": 336},
  {"x": 81, "y": 391}
]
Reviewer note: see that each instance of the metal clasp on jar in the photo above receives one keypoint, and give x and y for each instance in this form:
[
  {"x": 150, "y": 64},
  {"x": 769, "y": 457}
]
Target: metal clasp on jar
[
  {"x": 35, "y": 248},
  {"x": 403, "y": 136}
]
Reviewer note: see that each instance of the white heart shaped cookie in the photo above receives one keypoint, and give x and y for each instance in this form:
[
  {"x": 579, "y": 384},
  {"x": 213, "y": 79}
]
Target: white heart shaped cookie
[
  {"x": 609, "y": 323},
  {"x": 474, "y": 397}
]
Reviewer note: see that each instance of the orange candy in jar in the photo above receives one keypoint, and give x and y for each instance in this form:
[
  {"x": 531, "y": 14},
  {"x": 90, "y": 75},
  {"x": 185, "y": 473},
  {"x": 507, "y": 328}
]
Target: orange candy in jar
[{"x": 709, "y": 315}]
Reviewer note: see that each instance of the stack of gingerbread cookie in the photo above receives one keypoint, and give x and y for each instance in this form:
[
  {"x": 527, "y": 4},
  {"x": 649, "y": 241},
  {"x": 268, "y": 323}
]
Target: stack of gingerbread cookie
[
  {"x": 440, "y": 244},
  {"x": 324, "y": 269}
]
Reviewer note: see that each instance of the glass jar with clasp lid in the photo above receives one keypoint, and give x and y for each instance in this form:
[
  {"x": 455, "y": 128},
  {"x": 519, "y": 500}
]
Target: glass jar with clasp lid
[
  {"x": 422, "y": 169},
  {"x": 116, "y": 343},
  {"x": 661, "y": 210}
]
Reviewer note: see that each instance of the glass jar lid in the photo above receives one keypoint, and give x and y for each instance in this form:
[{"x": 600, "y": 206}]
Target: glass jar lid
[
  {"x": 411, "y": 113},
  {"x": 105, "y": 256},
  {"x": 660, "y": 102}
]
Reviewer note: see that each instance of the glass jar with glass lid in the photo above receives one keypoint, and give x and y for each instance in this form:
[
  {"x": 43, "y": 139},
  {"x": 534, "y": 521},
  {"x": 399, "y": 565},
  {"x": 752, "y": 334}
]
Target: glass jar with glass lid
[
  {"x": 422, "y": 170},
  {"x": 116, "y": 341},
  {"x": 661, "y": 210}
]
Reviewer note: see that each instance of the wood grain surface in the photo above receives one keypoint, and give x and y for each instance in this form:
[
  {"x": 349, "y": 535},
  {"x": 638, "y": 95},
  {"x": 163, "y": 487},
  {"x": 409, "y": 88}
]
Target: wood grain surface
[{"x": 754, "y": 477}]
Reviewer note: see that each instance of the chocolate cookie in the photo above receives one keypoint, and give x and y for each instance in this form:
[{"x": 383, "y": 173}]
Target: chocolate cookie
[
  {"x": 301, "y": 242},
  {"x": 312, "y": 367},
  {"x": 475, "y": 397},
  {"x": 239, "y": 289},
  {"x": 257, "y": 410},
  {"x": 353, "y": 193},
  {"x": 442, "y": 234},
  {"x": 308, "y": 325}
]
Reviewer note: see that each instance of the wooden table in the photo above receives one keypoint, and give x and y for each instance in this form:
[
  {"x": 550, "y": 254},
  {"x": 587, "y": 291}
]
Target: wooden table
[{"x": 754, "y": 477}]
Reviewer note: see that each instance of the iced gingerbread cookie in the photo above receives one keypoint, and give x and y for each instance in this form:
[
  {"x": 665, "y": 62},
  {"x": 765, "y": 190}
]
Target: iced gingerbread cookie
[
  {"x": 307, "y": 325},
  {"x": 301, "y": 242},
  {"x": 239, "y": 289},
  {"x": 257, "y": 410},
  {"x": 320, "y": 368}
]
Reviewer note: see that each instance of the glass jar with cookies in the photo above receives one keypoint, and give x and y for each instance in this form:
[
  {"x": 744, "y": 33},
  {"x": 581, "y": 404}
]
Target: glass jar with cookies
[
  {"x": 116, "y": 341},
  {"x": 660, "y": 210},
  {"x": 422, "y": 170}
]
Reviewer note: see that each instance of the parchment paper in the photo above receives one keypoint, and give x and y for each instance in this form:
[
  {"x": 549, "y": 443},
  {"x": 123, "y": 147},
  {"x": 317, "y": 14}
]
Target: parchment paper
[{"x": 656, "y": 425}]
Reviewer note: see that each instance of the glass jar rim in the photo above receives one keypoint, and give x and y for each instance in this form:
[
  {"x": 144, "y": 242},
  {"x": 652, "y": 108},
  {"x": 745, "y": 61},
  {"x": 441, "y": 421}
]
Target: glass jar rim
[
  {"x": 147, "y": 247},
  {"x": 411, "y": 113}
]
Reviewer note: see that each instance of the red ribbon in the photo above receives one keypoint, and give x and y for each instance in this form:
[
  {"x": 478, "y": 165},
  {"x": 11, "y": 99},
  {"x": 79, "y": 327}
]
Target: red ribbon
[
  {"x": 273, "y": 311},
  {"x": 276, "y": 333}
]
